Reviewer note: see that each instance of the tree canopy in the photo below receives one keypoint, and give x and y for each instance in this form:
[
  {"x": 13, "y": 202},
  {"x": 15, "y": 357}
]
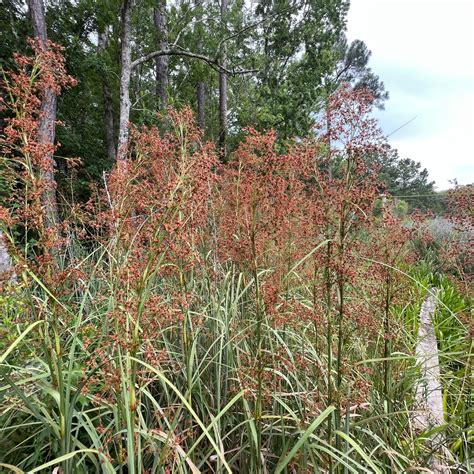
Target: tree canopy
[{"x": 281, "y": 60}]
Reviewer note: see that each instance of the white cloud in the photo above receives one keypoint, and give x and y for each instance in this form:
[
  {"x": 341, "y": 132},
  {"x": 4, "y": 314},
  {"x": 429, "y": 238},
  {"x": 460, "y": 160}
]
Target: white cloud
[{"x": 423, "y": 50}]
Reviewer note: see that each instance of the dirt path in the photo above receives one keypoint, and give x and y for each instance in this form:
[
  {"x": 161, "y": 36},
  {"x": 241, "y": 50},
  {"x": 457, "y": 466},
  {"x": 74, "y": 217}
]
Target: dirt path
[{"x": 428, "y": 412}]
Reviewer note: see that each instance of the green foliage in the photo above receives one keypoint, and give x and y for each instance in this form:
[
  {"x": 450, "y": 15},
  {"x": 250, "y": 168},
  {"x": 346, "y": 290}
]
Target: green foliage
[
  {"x": 14, "y": 29},
  {"x": 407, "y": 180},
  {"x": 295, "y": 56},
  {"x": 352, "y": 67},
  {"x": 452, "y": 321}
]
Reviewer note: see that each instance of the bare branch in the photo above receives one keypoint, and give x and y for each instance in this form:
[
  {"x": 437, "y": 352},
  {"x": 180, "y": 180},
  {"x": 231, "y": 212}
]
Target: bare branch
[
  {"x": 176, "y": 50},
  {"x": 185, "y": 53}
]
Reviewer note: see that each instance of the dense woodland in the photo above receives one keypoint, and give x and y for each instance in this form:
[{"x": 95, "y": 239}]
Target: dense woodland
[
  {"x": 266, "y": 65},
  {"x": 211, "y": 258}
]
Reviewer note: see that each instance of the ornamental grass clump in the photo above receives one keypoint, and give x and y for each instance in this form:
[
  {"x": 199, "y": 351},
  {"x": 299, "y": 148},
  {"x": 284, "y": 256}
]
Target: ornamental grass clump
[
  {"x": 196, "y": 316},
  {"x": 155, "y": 205}
]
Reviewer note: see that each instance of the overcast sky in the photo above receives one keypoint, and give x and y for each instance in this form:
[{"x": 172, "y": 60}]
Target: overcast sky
[{"x": 423, "y": 50}]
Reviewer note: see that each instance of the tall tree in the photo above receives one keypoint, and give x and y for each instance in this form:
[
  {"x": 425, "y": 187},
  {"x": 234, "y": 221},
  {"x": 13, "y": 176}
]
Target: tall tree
[
  {"x": 47, "y": 120},
  {"x": 223, "y": 88},
  {"x": 167, "y": 49},
  {"x": 406, "y": 179},
  {"x": 200, "y": 86},
  {"x": 352, "y": 66},
  {"x": 293, "y": 44},
  {"x": 161, "y": 62},
  {"x": 108, "y": 105},
  {"x": 125, "y": 75}
]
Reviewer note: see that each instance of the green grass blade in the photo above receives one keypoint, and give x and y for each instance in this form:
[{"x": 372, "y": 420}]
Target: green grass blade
[
  {"x": 282, "y": 464},
  {"x": 18, "y": 340}
]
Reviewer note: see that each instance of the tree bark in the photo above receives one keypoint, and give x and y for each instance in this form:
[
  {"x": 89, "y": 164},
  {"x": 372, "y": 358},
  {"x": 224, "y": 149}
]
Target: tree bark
[
  {"x": 125, "y": 75},
  {"x": 7, "y": 272},
  {"x": 200, "y": 86},
  {"x": 47, "y": 122},
  {"x": 161, "y": 62},
  {"x": 223, "y": 92},
  {"x": 107, "y": 96},
  {"x": 201, "y": 104}
]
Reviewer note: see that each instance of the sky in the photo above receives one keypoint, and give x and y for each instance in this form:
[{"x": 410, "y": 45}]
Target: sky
[{"x": 423, "y": 51}]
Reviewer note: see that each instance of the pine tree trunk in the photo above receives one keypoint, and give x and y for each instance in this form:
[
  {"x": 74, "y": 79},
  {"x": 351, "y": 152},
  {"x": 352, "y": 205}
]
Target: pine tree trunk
[
  {"x": 107, "y": 96},
  {"x": 201, "y": 104},
  {"x": 200, "y": 86},
  {"x": 47, "y": 122},
  {"x": 223, "y": 93},
  {"x": 109, "y": 121},
  {"x": 125, "y": 75},
  {"x": 161, "y": 62}
]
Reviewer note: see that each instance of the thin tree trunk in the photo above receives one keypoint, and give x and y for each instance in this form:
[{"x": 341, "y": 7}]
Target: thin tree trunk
[
  {"x": 223, "y": 93},
  {"x": 161, "y": 62},
  {"x": 125, "y": 75},
  {"x": 7, "y": 272},
  {"x": 109, "y": 120},
  {"x": 47, "y": 122},
  {"x": 107, "y": 96},
  {"x": 201, "y": 104},
  {"x": 200, "y": 86}
]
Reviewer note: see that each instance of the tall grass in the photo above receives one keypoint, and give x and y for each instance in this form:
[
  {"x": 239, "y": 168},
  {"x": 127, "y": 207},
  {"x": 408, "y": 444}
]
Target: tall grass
[
  {"x": 194, "y": 413},
  {"x": 254, "y": 317}
]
